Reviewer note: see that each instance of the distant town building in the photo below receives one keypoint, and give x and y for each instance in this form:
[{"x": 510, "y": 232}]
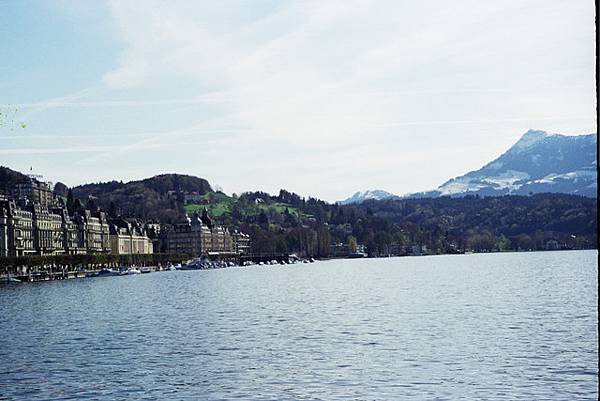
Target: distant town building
[
  {"x": 128, "y": 238},
  {"x": 34, "y": 191},
  {"x": 38, "y": 230},
  {"x": 93, "y": 231},
  {"x": 241, "y": 242},
  {"x": 34, "y": 222},
  {"x": 154, "y": 232},
  {"x": 152, "y": 228},
  {"x": 48, "y": 234},
  {"x": 189, "y": 238},
  {"x": 71, "y": 234},
  {"x": 16, "y": 230},
  {"x": 199, "y": 236},
  {"x": 221, "y": 240},
  {"x": 342, "y": 250}
]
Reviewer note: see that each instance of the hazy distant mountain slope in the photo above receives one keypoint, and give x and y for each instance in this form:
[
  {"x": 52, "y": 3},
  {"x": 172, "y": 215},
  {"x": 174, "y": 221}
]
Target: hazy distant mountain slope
[
  {"x": 376, "y": 194},
  {"x": 538, "y": 162}
]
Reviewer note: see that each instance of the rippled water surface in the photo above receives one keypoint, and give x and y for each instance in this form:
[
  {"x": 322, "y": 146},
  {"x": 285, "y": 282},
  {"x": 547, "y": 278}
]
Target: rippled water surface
[{"x": 497, "y": 326}]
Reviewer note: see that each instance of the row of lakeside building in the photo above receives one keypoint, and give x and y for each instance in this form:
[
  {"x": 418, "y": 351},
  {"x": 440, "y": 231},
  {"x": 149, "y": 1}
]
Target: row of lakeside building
[{"x": 34, "y": 222}]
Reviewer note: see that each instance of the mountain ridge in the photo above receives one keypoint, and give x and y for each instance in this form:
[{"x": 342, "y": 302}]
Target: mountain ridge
[
  {"x": 538, "y": 162},
  {"x": 376, "y": 194}
]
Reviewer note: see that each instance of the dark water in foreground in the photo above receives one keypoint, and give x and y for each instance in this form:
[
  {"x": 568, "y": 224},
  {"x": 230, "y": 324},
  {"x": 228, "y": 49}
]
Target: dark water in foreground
[{"x": 497, "y": 326}]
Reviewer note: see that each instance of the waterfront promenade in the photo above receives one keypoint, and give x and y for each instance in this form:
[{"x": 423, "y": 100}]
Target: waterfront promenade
[{"x": 63, "y": 267}]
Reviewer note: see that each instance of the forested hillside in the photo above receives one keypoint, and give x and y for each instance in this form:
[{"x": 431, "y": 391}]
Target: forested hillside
[
  {"x": 156, "y": 198},
  {"x": 9, "y": 178},
  {"x": 443, "y": 225},
  {"x": 287, "y": 222}
]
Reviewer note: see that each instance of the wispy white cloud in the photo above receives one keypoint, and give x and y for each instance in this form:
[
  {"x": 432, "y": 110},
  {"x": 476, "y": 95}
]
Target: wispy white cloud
[
  {"x": 70, "y": 102},
  {"x": 190, "y": 136},
  {"x": 119, "y": 134},
  {"x": 56, "y": 150},
  {"x": 481, "y": 121},
  {"x": 36, "y": 108},
  {"x": 316, "y": 74},
  {"x": 359, "y": 87}
]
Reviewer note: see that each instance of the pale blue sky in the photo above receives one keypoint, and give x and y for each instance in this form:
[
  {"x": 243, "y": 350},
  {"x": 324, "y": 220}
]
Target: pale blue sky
[{"x": 323, "y": 98}]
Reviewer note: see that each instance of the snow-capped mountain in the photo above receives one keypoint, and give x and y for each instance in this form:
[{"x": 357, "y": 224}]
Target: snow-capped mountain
[
  {"x": 360, "y": 197},
  {"x": 538, "y": 162}
]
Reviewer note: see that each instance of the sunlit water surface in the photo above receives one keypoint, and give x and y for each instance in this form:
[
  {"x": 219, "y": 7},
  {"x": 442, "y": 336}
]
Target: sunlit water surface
[{"x": 496, "y": 326}]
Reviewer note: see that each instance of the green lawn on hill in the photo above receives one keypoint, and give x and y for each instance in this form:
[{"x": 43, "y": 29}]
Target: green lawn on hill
[{"x": 218, "y": 204}]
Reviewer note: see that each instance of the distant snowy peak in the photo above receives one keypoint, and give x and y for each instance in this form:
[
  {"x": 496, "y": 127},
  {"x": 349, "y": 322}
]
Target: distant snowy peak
[
  {"x": 529, "y": 139},
  {"x": 360, "y": 197},
  {"x": 537, "y": 162}
]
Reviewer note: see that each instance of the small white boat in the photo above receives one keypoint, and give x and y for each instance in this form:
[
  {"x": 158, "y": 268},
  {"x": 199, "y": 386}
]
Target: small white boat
[
  {"x": 133, "y": 270},
  {"x": 145, "y": 269}
]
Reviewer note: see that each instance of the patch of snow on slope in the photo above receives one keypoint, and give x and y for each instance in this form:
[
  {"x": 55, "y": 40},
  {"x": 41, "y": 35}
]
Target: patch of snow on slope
[
  {"x": 573, "y": 175},
  {"x": 459, "y": 186},
  {"x": 507, "y": 179}
]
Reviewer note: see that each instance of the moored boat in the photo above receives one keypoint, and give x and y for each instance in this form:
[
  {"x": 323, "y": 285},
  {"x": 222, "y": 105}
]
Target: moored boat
[{"x": 106, "y": 272}]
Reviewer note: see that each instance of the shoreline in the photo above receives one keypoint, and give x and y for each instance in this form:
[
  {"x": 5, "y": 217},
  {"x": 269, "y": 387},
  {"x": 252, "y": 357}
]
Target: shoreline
[{"x": 45, "y": 276}]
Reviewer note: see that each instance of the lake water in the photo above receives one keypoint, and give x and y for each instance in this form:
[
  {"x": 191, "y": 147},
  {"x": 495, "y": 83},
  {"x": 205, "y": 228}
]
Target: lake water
[{"x": 484, "y": 326}]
